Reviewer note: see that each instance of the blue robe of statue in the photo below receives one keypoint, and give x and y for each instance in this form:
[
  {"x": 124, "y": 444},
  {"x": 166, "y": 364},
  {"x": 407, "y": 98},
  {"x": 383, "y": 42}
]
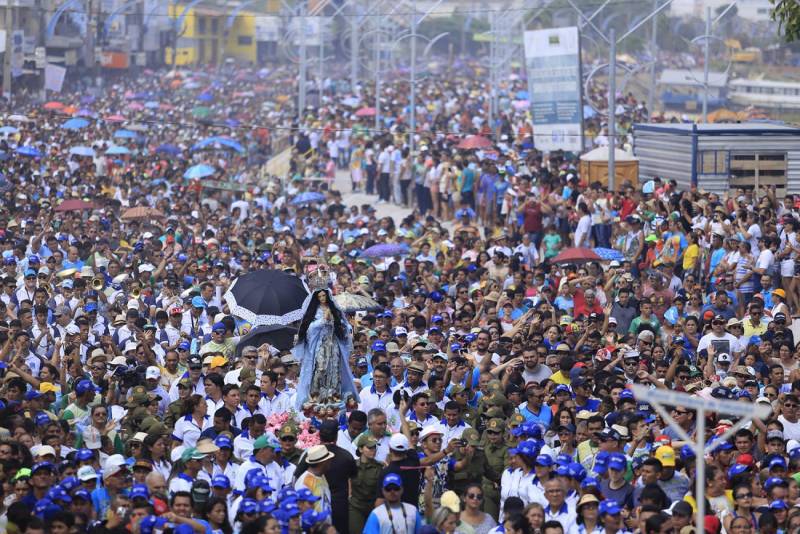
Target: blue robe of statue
[{"x": 324, "y": 363}]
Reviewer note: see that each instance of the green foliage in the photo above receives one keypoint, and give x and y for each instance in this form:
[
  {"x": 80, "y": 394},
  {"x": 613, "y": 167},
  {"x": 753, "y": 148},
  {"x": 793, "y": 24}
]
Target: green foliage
[{"x": 787, "y": 14}]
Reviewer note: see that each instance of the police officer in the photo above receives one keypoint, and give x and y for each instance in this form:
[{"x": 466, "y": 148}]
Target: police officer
[
  {"x": 288, "y": 437},
  {"x": 175, "y": 408},
  {"x": 362, "y": 496},
  {"x": 471, "y": 445},
  {"x": 496, "y": 453}
]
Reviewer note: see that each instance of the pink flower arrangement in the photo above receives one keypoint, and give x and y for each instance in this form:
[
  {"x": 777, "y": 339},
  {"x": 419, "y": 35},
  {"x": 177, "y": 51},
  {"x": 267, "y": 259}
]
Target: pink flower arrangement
[
  {"x": 308, "y": 436},
  {"x": 277, "y": 420}
]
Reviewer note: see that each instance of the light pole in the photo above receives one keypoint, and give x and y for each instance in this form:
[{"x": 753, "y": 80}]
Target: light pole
[
  {"x": 706, "y": 54},
  {"x": 612, "y": 107}
]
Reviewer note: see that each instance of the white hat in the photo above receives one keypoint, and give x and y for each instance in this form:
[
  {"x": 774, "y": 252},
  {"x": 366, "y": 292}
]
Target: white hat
[
  {"x": 130, "y": 345},
  {"x": 318, "y": 454},
  {"x": 399, "y": 442},
  {"x": 724, "y": 357},
  {"x": 133, "y": 304},
  {"x": 176, "y": 453},
  {"x": 333, "y": 248},
  {"x": 87, "y": 472},
  {"x": 72, "y": 330},
  {"x": 86, "y": 272},
  {"x": 43, "y": 450},
  {"x": 114, "y": 464},
  {"x": 152, "y": 372},
  {"x": 118, "y": 360},
  {"x": 139, "y": 437},
  {"x": 429, "y": 431},
  {"x": 146, "y": 267},
  {"x": 147, "y": 235}
]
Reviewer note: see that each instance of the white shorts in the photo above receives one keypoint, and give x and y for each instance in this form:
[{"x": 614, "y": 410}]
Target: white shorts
[{"x": 787, "y": 268}]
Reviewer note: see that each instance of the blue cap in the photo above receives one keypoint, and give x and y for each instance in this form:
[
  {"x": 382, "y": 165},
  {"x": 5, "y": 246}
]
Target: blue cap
[
  {"x": 601, "y": 462},
  {"x": 775, "y": 481},
  {"x": 84, "y": 455},
  {"x": 544, "y": 460},
  {"x": 436, "y": 319},
  {"x": 434, "y": 329},
  {"x": 45, "y": 507},
  {"x": 561, "y": 388},
  {"x": 755, "y": 340},
  {"x": 609, "y": 507},
  {"x": 778, "y": 462},
  {"x": 436, "y": 296},
  {"x": 625, "y": 394},
  {"x": 392, "y": 479},
  {"x": 286, "y": 492},
  {"x": 223, "y": 442},
  {"x": 304, "y": 494},
  {"x": 778, "y": 505},
  {"x": 70, "y": 483},
  {"x": 794, "y": 454},
  {"x": 563, "y": 459},
  {"x": 90, "y": 307},
  {"x": 82, "y": 494},
  {"x": 83, "y": 386},
  {"x": 34, "y": 259},
  {"x": 455, "y": 347},
  {"x": 220, "y": 481},
  {"x": 32, "y": 394},
  {"x": 687, "y": 453},
  {"x": 151, "y": 523},
  {"x": 736, "y": 469},
  {"x": 261, "y": 481},
  {"x": 617, "y": 462},
  {"x": 57, "y": 493},
  {"x": 312, "y": 517},
  {"x": 184, "y": 345},
  {"x": 11, "y": 260},
  {"x": 469, "y": 338},
  {"x": 378, "y": 346},
  {"x": 248, "y": 506},
  {"x": 576, "y": 471},
  {"x": 562, "y": 470},
  {"x": 217, "y": 326},
  {"x": 67, "y": 284},
  {"x": 723, "y": 446},
  {"x": 266, "y": 506},
  {"x": 637, "y": 462},
  {"x": 42, "y": 465},
  {"x": 525, "y": 448},
  {"x": 139, "y": 491},
  {"x": 198, "y": 302},
  {"x": 590, "y": 482},
  {"x": 290, "y": 508},
  {"x": 30, "y": 272}
]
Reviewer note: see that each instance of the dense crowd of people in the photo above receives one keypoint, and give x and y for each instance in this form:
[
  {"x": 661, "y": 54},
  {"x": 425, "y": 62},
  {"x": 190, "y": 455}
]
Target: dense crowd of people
[{"x": 493, "y": 377}]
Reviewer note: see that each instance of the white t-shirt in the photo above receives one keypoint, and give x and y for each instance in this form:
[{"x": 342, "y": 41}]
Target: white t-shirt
[
  {"x": 725, "y": 343},
  {"x": 790, "y": 430}
]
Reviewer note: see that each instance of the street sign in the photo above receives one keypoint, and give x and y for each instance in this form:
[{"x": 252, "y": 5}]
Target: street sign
[
  {"x": 39, "y": 55},
  {"x": 677, "y": 398}
]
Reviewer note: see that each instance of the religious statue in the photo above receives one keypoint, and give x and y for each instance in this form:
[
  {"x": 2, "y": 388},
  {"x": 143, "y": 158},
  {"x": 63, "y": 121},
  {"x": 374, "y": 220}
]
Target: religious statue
[{"x": 324, "y": 344}]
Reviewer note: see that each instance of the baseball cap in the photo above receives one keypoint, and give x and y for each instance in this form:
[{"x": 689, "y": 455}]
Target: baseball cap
[
  {"x": 399, "y": 442},
  {"x": 152, "y": 373},
  {"x": 378, "y": 346},
  {"x": 198, "y": 302},
  {"x": 83, "y": 386},
  {"x": 139, "y": 491},
  {"x": 666, "y": 455},
  {"x": 392, "y": 479},
  {"x": 609, "y": 507},
  {"x": 221, "y": 481}
]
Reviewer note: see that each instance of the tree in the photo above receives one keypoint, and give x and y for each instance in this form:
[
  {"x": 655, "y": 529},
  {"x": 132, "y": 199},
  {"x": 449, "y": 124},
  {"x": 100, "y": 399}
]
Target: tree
[{"x": 787, "y": 14}]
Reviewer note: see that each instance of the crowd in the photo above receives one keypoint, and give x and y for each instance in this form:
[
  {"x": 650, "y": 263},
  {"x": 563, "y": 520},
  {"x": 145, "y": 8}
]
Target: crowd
[{"x": 493, "y": 377}]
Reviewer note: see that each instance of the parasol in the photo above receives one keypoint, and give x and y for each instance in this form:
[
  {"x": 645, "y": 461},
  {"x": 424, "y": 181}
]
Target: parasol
[
  {"x": 6, "y": 130},
  {"x": 576, "y": 255},
  {"x": 29, "y": 151},
  {"x": 366, "y": 112},
  {"x": 384, "y": 250},
  {"x": 172, "y": 150},
  {"x": 117, "y": 150},
  {"x": 142, "y": 212},
  {"x": 75, "y": 204},
  {"x": 472, "y": 142},
  {"x": 353, "y": 302},
  {"x": 124, "y": 134},
  {"x": 309, "y": 197},
  {"x": 75, "y": 124},
  {"x": 224, "y": 142},
  {"x": 53, "y": 105},
  {"x": 609, "y": 254},
  {"x": 200, "y": 170},
  {"x": 267, "y": 297},
  {"x": 86, "y": 151},
  {"x": 115, "y": 118},
  {"x": 279, "y": 336}
]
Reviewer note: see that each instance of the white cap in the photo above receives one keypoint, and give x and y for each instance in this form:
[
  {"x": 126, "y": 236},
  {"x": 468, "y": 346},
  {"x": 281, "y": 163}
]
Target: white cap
[
  {"x": 399, "y": 442},
  {"x": 114, "y": 464},
  {"x": 72, "y": 330},
  {"x": 133, "y": 304},
  {"x": 400, "y": 331},
  {"x": 332, "y": 248},
  {"x": 429, "y": 431},
  {"x": 43, "y": 450},
  {"x": 152, "y": 372},
  {"x": 146, "y": 267},
  {"x": 147, "y": 235},
  {"x": 176, "y": 453},
  {"x": 130, "y": 345},
  {"x": 118, "y": 360},
  {"x": 86, "y": 472}
]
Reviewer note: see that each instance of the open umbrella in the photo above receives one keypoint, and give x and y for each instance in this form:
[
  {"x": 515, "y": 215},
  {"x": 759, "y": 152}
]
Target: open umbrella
[
  {"x": 75, "y": 204},
  {"x": 267, "y": 297},
  {"x": 172, "y": 150},
  {"x": 279, "y": 336},
  {"x": 53, "y": 105},
  {"x": 75, "y": 124},
  {"x": 151, "y": 104},
  {"x": 201, "y": 112},
  {"x": 115, "y": 118},
  {"x": 353, "y": 302},
  {"x": 384, "y": 250},
  {"x": 224, "y": 142},
  {"x": 137, "y": 127},
  {"x": 6, "y": 130},
  {"x": 309, "y": 197},
  {"x": 117, "y": 150},
  {"x": 609, "y": 254},
  {"x": 472, "y": 142},
  {"x": 200, "y": 170},
  {"x": 18, "y": 118},
  {"x": 136, "y": 106},
  {"x": 366, "y": 112},
  {"x": 205, "y": 97},
  {"x": 29, "y": 151},
  {"x": 82, "y": 151},
  {"x": 142, "y": 212},
  {"x": 124, "y": 134},
  {"x": 576, "y": 255}
]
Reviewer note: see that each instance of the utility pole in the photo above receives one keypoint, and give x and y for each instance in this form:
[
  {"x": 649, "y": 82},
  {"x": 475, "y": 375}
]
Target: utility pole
[
  {"x": 354, "y": 47},
  {"x": 8, "y": 24},
  {"x": 378, "y": 76},
  {"x": 705, "y": 64},
  {"x": 321, "y": 74},
  {"x": 651, "y": 96},
  {"x": 612, "y": 107},
  {"x": 492, "y": 67},
  {"x": 301, "y": 34},
  {"x": 413, "y": 102}
]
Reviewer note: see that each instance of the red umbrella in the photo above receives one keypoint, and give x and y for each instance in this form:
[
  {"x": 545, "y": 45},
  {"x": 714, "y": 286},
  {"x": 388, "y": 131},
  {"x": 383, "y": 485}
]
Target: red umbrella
[
  {"x": 53, "y": 105},
  {"x": 366, "y": 112},
  {"x": 471, "y": 142},
  {"x": 75, "y": 204},
  {"x": 576, "y": 255},
  {"x": 115, "y": 118}
]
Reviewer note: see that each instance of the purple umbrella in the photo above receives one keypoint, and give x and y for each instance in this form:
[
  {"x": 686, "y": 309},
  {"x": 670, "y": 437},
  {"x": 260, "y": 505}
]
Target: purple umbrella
[{"x": 384, "y": 250}]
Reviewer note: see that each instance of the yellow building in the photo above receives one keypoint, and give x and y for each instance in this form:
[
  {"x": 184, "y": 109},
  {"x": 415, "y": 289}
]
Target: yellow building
[{"x": 203, "y": 39}]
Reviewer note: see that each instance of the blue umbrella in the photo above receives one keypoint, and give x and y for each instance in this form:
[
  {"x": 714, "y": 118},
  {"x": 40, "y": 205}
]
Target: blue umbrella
[
  {"x": 84, "y": 112},
  {"x": 309, "y": 197},
  {"x": 82, "y": 151},
  {"x": 8, "y": 130},
  {"x": 28, "y": 151},
  {"x": 167, "y": 148},
  {"x": 199, "y": 171},
  {"x": 609, "y": 254},
  {"x": 117, "y": 150},
  {"x": 205, "y": 97},
  {"x": 151, "y": 104},
  {"x": 75, "y": 124},
  {"x": 4, "y": 156},
  {"x": 124, "y": 134},
  {"x": 88, "y": 99},
  {"x": 224, "y": 142},
  {"x": 522, "y": 95},
  {"x": 384, "y": 250}
]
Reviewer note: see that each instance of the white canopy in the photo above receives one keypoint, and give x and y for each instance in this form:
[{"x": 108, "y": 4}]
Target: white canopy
[{"x": 601, "y": 154}]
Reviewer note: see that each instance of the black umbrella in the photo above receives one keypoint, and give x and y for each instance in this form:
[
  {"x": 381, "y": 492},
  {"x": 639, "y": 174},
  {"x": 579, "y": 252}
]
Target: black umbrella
[
  {"x": 279, "y": 336},
  {"x": 267, "y": 297}
]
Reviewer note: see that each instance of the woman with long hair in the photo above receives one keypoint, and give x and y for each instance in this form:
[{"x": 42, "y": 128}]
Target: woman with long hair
[
  {"x": 193, "y": 421},
  {"x": 473, "y": 520},
  {"x": 154, "y": 450},
  {"x": 445, "y": 520},
  {"x": 324, "y": 343},
  {"x": 216, "y": 513},
  {"x": 742, "y": 507},
  {"x": 588, "y": 510}
]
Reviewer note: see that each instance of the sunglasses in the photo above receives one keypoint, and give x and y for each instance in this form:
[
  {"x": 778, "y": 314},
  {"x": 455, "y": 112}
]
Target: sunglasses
[
  {"x": 391, "y": 488},
  {"x": 745, "y": 496},
  {"x": 495, "y": 432},
  {"x": 477, "y": 496}
]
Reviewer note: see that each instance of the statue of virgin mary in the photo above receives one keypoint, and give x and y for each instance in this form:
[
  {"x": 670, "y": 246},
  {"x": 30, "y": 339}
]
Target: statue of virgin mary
[{"x": 324, "y": 344}]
